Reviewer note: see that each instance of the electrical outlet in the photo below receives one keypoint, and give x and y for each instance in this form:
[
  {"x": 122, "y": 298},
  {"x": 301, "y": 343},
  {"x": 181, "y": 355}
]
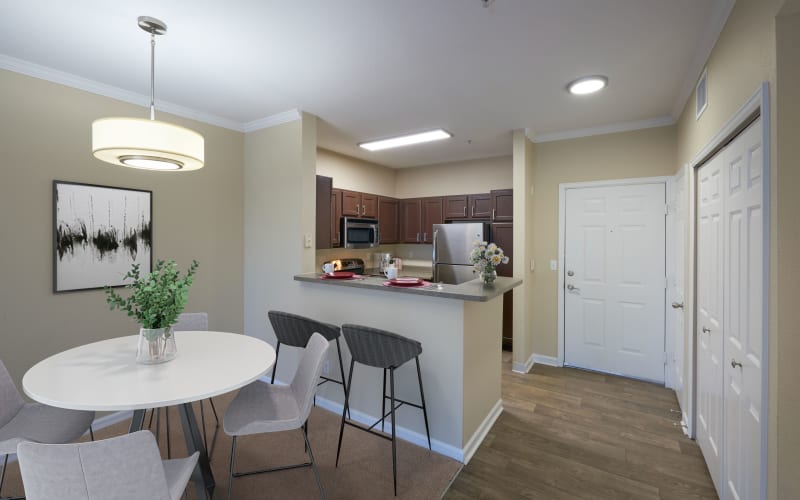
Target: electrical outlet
[
  {"x": 326, "y": 368},
  {"x": 554, "y": 265},
  {"x": 533, "y": 266}
]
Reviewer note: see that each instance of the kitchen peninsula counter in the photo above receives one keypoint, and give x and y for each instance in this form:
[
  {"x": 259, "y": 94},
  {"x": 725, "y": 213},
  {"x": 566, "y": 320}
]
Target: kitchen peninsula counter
[
  {"x": 459, "y": 327},
  {"x": 473, "y": 290}
]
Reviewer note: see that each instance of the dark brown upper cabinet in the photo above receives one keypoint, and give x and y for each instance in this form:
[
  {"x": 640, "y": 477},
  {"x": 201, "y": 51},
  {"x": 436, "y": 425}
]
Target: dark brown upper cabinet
[
  {"x": 355, "y": 204},
  {"x": 388, "y": 219},
  {"x": 432, "y": 213},
  {"x": 324, "y": 187},
  {"x": 502, "y": 205},
  {"x": 410, "y": 221},
  {"x": 336, "y": 217},
  {"x": 465, "y": 207}
]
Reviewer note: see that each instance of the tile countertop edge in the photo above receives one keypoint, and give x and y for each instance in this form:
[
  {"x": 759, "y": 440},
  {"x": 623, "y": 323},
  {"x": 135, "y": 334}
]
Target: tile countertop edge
[{"x": 471, "y": 290}]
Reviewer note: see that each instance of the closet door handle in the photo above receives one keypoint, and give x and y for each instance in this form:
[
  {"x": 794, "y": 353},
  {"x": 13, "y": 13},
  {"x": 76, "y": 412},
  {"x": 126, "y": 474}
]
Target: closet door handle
[
  {"x": 735, "y": 363},
  {"x": 706, "y": 329}
]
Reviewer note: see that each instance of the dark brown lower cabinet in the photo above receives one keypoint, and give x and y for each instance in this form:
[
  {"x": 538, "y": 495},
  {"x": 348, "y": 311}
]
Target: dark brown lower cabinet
[
  {"x": 324, "y": 187},
  {"x": 503, "y": 236}
]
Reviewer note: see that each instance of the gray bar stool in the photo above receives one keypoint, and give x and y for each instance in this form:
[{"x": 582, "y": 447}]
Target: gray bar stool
[{"x": 381, "y": 349}]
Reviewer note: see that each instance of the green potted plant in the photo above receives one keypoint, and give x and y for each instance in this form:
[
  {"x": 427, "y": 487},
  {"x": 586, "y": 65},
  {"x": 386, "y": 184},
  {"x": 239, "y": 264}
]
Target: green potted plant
[{"x": 155, "y": 303}]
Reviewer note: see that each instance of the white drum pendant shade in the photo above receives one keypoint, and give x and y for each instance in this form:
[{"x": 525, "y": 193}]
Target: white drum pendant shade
[{"x": 147, "y": 144}]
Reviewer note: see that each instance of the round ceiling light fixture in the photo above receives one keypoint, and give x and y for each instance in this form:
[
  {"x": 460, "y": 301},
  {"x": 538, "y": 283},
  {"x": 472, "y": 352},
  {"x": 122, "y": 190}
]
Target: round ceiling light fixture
[
  {"x": 587, "y": 85},
  {"x": 148, "y": 144}
]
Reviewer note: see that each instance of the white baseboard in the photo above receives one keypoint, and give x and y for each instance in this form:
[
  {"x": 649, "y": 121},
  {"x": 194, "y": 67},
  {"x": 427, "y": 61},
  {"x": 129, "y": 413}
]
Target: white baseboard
[
  {"x": 477, "y": 438},
  {"x": 403, "y": 433},
  {"x": 462, "y": 455},
  {"x": 547, "y": 360},
  {"x": 523, "y": 367}
]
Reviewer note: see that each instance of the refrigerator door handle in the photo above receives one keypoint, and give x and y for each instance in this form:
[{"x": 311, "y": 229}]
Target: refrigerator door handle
[{"x": 435, "y": 258}]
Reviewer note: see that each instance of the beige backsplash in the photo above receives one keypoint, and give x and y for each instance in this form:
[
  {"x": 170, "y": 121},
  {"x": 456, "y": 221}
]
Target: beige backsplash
[{"x": 412, "y": 255}]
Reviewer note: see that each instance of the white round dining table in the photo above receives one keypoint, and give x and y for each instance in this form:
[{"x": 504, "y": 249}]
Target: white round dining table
[{"x": 104, "y": 376}]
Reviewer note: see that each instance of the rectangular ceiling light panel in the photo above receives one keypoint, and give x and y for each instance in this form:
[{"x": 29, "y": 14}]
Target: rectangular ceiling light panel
[{"x": 406, "y": 140}]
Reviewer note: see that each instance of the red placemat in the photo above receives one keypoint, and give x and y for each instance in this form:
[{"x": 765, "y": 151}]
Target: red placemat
[
  {"x": 421, "y": 284},
  {"x": 340, "y": 275}
]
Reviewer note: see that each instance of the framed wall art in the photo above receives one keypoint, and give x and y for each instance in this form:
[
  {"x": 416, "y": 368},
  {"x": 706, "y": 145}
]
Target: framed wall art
[{"x": 98, "y": 233}]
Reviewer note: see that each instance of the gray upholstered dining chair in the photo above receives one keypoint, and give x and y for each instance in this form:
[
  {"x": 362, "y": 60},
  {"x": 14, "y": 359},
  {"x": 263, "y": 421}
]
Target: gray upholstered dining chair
[
  {"x": 21, "y": 421},
  {"x": 190, "y": 322},
  {"x": 120, "y": 468},
  {"x": 260, "y": 408}
]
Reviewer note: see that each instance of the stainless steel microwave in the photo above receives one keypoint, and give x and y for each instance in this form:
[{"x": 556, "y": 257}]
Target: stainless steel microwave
[{"x": 360, "y": 233}]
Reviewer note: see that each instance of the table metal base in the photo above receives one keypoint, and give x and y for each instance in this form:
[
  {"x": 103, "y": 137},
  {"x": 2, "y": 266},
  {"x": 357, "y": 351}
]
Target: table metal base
[{"x": 202, "y": 477}]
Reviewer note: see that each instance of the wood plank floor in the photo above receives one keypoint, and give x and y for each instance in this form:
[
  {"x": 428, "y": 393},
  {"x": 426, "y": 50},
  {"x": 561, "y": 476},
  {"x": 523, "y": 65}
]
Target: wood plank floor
[{"x": 567, "y": 433}]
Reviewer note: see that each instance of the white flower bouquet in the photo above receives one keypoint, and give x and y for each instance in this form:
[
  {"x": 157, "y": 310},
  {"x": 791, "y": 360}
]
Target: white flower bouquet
[{"x": 485, "y": 258}]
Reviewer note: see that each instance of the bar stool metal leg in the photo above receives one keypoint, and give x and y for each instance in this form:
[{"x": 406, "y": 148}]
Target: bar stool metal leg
[
  {"x": 394, "y": 437},
  {"x": 383, "y": 400},
  {"x": 275, "y": 365},
  {"x": 424, "y": 410},
  {"x": 341, "y": 370},
  {"x": 345, "y": 409}
]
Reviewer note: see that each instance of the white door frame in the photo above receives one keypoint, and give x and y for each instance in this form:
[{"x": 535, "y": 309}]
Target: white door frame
[
  {"x": 562, "y": 227},
  {"x": 757, "y": 103}
]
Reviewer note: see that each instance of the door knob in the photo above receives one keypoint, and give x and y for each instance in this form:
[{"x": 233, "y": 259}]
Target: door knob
[
  {"x": 572, "y": 287},
  {"x": 735, "y": 363},
  {"x": 706, "y": 329},
  {"x": 677, "y": 305},
  {"x": 570, "y": 273}
]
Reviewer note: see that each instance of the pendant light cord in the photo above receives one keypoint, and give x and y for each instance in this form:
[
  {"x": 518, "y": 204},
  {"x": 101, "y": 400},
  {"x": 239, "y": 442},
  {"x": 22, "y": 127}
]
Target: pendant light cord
[{"x": 152, "y": 76}]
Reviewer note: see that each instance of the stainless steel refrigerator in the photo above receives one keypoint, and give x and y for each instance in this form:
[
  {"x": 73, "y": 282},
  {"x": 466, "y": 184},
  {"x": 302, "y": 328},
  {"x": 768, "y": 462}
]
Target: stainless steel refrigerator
[{"x": 452, "y": 244}]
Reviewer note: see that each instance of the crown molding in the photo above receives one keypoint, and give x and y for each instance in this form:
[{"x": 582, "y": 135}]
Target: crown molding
[
  {"x": 272, "y": 120},
  {"x": 719, "y": 16},
  {"x": 68, "y": 79},
  {"x": 613, "y": 128}
]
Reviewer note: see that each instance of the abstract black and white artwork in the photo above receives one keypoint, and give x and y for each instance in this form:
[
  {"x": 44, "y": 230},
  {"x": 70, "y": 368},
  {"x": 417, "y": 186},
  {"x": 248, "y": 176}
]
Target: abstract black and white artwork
[{"x": 98, "y": 233}]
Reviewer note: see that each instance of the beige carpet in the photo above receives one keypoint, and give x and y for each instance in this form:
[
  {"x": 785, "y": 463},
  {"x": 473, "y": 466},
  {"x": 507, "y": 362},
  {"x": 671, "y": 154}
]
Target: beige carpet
[{"x": 364, "y": 472}]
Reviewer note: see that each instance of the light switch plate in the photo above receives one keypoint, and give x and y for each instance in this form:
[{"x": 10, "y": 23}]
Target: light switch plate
[
  {"x": 308, "y": 240},
  {"x": 554, "y": 265}
]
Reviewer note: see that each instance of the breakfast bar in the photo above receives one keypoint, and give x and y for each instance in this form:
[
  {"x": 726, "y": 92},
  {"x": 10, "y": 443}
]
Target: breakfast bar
[{"x": 458, "y": 326}]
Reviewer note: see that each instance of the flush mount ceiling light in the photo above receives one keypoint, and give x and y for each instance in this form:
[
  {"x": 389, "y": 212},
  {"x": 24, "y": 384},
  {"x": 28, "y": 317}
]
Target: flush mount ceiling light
[
  {"x": 148, "y": 144},
  {"x": 406, "y": 140},
  {"x": 587, "y": 85}
]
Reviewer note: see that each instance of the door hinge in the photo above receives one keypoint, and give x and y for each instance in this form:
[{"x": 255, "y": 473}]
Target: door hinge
[
  {"x": 666, "y": 209},
  {"x": 665, "y": 357},
  {"x": 666, "y": 282}
]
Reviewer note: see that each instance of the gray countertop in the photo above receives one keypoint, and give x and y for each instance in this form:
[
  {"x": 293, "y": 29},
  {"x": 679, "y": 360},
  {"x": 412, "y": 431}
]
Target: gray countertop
[{"x": 473, "y": 290}]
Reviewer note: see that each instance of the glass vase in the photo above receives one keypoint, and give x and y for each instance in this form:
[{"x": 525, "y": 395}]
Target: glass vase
[
  {"x": 488, "y": 277},
  {"x": 156, "y": 345}
]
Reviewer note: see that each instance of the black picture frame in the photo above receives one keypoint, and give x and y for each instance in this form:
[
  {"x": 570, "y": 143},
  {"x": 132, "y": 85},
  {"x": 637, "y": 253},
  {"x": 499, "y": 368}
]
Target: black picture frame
[{"x": 98, "y": 233}]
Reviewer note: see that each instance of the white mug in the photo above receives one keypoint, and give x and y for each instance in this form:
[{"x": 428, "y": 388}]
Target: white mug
[
  {"x": 391, "y": 272},
  {"x": 328, "y": 268}
]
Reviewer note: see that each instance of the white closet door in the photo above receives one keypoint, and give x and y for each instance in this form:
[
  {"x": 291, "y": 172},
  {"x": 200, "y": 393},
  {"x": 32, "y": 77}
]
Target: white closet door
[
  {"x": 615, "y": 279},
  {"x": 743, "y": 312},
  {"x": 678, "y": 290},
  {"x": 709, "y": 315}
]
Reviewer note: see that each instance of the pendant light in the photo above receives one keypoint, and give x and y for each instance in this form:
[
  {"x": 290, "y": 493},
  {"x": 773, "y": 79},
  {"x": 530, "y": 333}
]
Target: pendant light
[{"x": 148, "y": 144}]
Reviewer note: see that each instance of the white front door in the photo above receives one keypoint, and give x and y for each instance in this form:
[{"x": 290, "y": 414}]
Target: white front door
[
  {"x": 709, "y": 315},
  {"x": 743, "y": 311},
  {"x": 614, "y": 265}
]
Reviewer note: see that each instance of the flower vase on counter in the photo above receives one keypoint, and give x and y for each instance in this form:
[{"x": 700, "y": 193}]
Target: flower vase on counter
[{"x": 488, "y": 277}]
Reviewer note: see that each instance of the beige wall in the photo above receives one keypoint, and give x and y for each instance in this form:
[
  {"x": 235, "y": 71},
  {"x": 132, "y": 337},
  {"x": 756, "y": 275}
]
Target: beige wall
[
  {"x": 462, "y": 177},
  {"x": 279, "y": 200},
  {"x": 354, "y": 174},
  {"x": 786, "y": 266},
  {"x": 45, "y": 135},
  {"x": 641, "y": 153},
  {"x": 524, "y": 164}
]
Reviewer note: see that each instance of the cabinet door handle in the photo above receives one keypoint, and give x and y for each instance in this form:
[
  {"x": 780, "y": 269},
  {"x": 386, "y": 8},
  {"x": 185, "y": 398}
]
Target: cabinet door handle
[
  {"x": 465, "y": 210},
  {"x": 358, "y": 209},
  {"x": 472, "y": 211},
  {"x": 424, "y": 236},
  {"x": 363, "y": 210},
  {"x": 418, "y": 237},
  {"x": 493, "y": 211}
]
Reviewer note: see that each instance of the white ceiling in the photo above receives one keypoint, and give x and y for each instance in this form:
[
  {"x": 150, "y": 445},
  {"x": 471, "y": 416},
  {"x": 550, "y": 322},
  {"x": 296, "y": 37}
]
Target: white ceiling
[{"x": 375, "y": 68}]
